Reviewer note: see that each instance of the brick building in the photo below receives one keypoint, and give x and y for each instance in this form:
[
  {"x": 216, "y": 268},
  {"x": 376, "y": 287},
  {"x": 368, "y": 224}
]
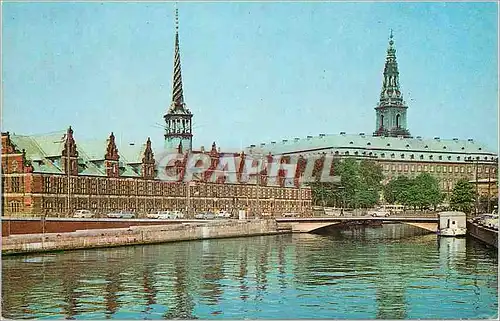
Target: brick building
[
  {"x": 55, "y": 174},
  {"x": 36, "y": 173}
]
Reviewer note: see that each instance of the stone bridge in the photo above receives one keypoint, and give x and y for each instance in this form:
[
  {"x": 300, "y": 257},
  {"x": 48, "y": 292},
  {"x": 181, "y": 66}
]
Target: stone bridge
[{"x": 310, "y": 224}]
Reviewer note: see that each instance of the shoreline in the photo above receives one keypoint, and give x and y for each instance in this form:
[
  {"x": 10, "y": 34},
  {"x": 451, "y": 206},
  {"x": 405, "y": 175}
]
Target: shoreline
[{"x": 135, "y": 235}]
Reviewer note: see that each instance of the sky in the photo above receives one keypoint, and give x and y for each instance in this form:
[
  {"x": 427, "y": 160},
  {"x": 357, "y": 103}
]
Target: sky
[{"x": 252, "y": 71}]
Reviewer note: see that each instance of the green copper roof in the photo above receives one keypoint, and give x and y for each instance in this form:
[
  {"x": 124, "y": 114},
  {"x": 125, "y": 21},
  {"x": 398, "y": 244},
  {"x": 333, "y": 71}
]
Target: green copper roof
[
  {"x": 381, "y": 147},
  {"x": 44, "y": 152}
]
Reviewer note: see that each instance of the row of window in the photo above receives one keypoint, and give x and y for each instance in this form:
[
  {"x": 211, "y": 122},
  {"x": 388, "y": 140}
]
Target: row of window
[
  {"x": 413, "y": 156},
  {"x": 437, "y": 168},
  {"x": 12, "y": 184},
  {"x": 55, "y": 184}
]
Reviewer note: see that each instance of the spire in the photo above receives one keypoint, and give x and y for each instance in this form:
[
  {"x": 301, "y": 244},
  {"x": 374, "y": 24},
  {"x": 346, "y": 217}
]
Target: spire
[
  {"x": 391, "y": 109},
  {"x": 391, "y": 93},
  {"x": 177, "y": 94}
]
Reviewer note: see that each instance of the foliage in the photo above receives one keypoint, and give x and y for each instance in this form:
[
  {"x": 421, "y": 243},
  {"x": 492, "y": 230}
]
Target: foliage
[
  {"x": 421, "y": 192},
  {"x": 462, "y": 197},
  {"x": 393, "y": 191}
]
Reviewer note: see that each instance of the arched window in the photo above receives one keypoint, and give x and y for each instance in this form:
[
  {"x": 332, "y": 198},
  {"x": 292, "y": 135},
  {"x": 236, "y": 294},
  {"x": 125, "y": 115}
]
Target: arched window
[
  {"x": 381, "y": 121},
  {"x": 398, "y": 116}
]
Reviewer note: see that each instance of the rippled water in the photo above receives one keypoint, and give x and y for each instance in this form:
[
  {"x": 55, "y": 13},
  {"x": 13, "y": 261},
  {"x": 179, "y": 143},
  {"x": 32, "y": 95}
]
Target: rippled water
[{"x": 356, "y": 274}]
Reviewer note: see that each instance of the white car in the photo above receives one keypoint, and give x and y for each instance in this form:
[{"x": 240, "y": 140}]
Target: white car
[
  {"x": 121, "y": 214},
  {"x": 223, "y": 214},
  {"x": 83, "y": 214},
  {"x": 380, "y": 214}
]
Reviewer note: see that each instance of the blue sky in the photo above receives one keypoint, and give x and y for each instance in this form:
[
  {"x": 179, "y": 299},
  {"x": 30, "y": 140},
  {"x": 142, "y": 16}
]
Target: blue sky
[{"x": 252, "y": 72}]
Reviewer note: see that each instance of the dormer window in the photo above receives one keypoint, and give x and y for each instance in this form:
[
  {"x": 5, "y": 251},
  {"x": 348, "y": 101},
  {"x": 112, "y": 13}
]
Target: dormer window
[
  {"x": 412, "y": 156},
  {"x": 440, "y": 157},
  {"x": 458, "y": 158},
  {"x": 382, "y": 155},
  {"x": 368, "y": 143},
  {"x": 388, "y": 144},
  {"x": 350, "y": 143},
  {"x": 430, "y": 157},
  {"x": 392, "y": 155},
  {"x": 407, "y": 146},
  {"x": 449, "y": 157},
  {"x": 426, "y": 146},
  {"x": 402, "y": 155},
  {"x": 421, "y": 156},
  {"x": 444, "y": 147}
]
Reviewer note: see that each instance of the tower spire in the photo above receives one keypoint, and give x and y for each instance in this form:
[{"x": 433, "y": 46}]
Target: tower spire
[
  {"x": 178, "y": 119},
  {"x": 391, "y": 109},
  {"x": 177, "y": 93}
]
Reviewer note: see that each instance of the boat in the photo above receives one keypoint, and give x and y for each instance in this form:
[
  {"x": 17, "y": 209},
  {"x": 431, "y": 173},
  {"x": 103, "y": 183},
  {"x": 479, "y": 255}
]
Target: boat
[
  {"x": 484, "y": 228},
  {"x": 452, "y": 223},
  {"x": 453, "y": 231}
]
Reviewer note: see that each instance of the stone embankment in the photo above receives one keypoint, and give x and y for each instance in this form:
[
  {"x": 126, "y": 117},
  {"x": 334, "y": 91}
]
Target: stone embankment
[{"x": 135, "y": 235}]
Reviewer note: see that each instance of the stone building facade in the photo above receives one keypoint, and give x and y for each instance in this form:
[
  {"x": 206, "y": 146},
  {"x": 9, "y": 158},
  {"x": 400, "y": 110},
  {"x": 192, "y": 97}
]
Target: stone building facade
[{"x": 392, "y": 146}]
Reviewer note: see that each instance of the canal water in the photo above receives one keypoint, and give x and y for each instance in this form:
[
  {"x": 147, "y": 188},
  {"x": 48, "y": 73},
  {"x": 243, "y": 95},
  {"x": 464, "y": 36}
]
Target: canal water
[{"x": 389, "y": 272}]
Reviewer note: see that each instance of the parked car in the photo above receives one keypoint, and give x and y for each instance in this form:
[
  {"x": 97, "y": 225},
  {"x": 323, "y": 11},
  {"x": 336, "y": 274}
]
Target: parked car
[
  {"x": 380, "y": 214},
  {"x": 121, "y": 214},
  {"x": 152, "y": 215},
  {"x": 290, "y": 215},
  {"x": 205, "y": 216},
  {"x": 83, "y": 214},
  {"x": 166, "y": 215},
  {"x": 223, "y": 214}
]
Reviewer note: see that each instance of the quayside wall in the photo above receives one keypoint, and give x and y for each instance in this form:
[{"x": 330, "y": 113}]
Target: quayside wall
[
  {"x": 483, "y": 233},
  {"x": 134, "y": 235}
]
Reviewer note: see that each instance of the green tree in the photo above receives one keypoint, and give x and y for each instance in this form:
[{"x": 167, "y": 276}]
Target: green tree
[
  {"x": 395, "y": 189},
  {"x": 425, "y": 191},
  {"x": 462, "y": 196},
  {"x": 349, "y": 173}
]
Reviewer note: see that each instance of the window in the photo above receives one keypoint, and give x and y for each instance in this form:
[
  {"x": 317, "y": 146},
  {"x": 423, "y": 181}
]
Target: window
[
  {"x": 412, "y": 156},
  {"x": 15, "y": 187},
  {"x": 402, "y": 155},
  {"x": 450, "y": 169},
  {"x": 462, "y": 169},
  {"x": 440, "y": 157},
  {"x": 432, "y": 168},
  {"x": 425, "y": 168},
  {"x": 15, "y": 207},
  {"x": 412, "y": 168},
  {"x": 456, "y": 169},
  {"x": 419, "y": 168},
  {"x": 438, "y": 169},
  {"x": 421, "y": 156},
  {"x": 406, "y": 168},
  {"x": 400, "y": 167},
  {"x": 392, "y": 155},
  {"x": 393, "y": 168}
]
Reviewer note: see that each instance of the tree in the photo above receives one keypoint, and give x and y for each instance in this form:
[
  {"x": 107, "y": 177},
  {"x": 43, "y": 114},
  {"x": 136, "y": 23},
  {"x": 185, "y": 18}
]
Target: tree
[
  {"x": 462, "y": 196},
  {"x": 395, "y": 188},
  {"x": 424, "y": 191}
]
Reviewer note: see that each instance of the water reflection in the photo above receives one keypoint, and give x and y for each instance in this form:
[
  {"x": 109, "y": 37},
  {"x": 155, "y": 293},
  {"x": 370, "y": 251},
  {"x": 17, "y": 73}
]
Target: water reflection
[{"x": 352, "y": 274}]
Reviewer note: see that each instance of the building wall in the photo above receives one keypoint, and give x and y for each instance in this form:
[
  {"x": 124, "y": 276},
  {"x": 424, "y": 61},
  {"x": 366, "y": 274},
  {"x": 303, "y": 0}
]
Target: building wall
[{"x": 49, "y": 195}]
